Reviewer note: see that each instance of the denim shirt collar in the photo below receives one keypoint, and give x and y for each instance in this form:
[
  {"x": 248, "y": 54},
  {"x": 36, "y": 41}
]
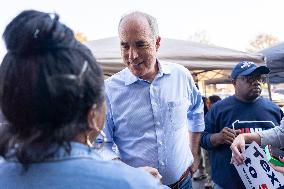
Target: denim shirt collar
[
  {"x": 78, "y": 150},
  {"x": 130, "y": 78}
]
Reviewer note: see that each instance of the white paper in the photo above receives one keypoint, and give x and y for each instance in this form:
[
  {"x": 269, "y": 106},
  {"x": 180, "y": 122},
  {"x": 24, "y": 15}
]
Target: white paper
[{"x": 256, "y": 172}]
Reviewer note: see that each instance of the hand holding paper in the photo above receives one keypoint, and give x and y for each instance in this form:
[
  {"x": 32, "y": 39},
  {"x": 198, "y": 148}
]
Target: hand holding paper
[
  {"x": 256, "y": 172},
  {"x": 238, "y": 147}
]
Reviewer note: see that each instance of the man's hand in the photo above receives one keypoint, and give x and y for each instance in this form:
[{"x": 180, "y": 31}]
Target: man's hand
[
  {"x": 152, "y": 171},
  {"x": 226, "y": 136},
  {"x": 194, "y": 166}
]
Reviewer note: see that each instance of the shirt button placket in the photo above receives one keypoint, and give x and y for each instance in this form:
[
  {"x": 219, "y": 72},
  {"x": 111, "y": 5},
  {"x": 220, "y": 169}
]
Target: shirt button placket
[{"x": 157, "y": 123}]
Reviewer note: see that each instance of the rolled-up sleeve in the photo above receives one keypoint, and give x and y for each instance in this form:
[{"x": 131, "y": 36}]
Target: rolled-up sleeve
[{"x": 195, "y": 113}]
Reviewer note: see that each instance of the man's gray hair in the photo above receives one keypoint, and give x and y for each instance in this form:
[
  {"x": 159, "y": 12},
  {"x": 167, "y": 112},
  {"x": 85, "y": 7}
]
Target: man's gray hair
[{"x": 151, "y": 20}]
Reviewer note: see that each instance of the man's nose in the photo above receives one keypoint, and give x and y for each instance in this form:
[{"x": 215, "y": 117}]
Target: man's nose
[{"x": 133, "y": 54}]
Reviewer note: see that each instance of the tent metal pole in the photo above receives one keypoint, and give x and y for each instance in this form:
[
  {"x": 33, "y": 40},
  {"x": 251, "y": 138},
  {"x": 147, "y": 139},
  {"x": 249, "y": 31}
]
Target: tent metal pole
[
  {"x": 269, "y": 88},
  {"x": 205, "y": 92}
]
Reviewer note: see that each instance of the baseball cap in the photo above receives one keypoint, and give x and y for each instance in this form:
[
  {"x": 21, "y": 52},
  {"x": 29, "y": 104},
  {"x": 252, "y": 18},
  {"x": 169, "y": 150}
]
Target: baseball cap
[{"x": 245, "y": 68}]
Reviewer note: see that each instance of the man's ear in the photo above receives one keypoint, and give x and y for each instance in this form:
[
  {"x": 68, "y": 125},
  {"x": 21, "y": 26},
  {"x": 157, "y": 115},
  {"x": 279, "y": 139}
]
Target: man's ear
[
  {"x": 158, "y": 40},
  {"x": 233, "y": 82}
]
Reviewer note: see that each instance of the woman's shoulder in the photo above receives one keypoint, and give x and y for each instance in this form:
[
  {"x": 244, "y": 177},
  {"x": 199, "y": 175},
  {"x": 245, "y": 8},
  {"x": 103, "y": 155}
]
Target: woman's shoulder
[
  {"x": 109, "y": 174},
  {"x": 124, "y": 176},
  {"x": 89, "y": 172}
]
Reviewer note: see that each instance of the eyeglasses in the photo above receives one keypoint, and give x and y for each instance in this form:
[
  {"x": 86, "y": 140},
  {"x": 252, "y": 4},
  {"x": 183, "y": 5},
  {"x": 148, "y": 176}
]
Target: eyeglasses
[{"x": 252, "y": 78}]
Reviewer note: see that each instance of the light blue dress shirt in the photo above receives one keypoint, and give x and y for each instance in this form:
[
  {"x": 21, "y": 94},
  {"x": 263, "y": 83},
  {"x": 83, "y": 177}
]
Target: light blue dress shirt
[
  {"x": 83, "y": 169},
  {"x": 149, "y": 121}
]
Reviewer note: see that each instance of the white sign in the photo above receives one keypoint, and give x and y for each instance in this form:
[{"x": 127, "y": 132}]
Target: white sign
[{"x": 256, "y": 172}]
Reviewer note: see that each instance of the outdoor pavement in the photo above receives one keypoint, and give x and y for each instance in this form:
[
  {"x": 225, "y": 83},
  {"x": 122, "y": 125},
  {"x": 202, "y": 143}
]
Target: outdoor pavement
[{"x": 198, "y": 184}]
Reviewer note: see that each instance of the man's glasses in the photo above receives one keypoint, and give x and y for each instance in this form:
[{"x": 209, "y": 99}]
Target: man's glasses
[{"x": 253, "y": 78}]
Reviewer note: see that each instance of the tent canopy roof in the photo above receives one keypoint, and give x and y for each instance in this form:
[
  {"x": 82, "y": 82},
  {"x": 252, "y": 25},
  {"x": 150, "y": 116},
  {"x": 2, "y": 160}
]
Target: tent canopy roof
[
  {"x": 194, "y": 56},
  {"x": 274, "y": 58}
]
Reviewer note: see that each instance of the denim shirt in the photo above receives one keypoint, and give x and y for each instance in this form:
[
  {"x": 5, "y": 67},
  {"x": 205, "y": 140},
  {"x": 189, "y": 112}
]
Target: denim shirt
[
  {"x": 83, "y": 169},
  {"x": 149, "y": 121}
]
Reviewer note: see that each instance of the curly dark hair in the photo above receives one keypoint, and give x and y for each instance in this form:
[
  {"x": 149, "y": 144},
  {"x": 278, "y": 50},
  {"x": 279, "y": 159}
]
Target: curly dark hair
[{"x": 48, "y": 83}]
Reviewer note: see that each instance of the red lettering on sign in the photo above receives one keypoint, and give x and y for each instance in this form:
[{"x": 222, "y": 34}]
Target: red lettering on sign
[{"x": 263, "y": 186}]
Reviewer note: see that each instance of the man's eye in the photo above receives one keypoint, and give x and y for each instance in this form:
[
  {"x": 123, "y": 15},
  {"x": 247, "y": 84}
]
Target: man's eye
[
  {"x": 141, "y": 45},
  {"x": 124, "y": 46}
]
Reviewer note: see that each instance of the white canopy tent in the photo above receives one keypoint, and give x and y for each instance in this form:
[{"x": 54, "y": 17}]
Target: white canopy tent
[
  {"x": 204, "y": 61},
  {"x": 274, "y": 57}
]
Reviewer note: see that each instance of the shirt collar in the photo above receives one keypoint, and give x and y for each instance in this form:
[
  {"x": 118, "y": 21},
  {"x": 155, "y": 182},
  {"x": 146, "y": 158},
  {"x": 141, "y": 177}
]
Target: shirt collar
[
  {"x": 78, "y": 150},
  {"x": 164, "y": 69}
]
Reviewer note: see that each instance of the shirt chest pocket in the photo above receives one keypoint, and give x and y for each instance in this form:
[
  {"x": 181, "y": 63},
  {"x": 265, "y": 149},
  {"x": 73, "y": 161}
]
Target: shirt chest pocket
[{"x": 176, "y": 114}]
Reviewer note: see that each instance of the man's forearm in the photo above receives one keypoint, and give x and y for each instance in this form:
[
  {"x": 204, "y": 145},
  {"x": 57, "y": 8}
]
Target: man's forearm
[
  {"x": 194, "y": 146},
  {"x": 194, "y": 143},
  {"x": 215, "y": 139}
]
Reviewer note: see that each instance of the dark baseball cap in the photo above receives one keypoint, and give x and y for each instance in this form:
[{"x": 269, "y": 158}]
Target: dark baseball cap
[{"x": 245, "y": 68}]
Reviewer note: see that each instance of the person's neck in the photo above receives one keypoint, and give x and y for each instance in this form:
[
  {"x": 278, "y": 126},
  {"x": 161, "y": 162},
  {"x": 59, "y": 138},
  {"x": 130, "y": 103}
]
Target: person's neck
[
  {"x": 151, "y": 75},
  {"x": 245, "y": 100},
  {"x": 81, "y": 138}
]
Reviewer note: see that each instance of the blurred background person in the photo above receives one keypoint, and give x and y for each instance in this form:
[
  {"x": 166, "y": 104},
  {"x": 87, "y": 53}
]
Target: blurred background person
[
  {"x": 204, "y": 168},
  {"x": 209, "y": 183},
  {"x": 212, "y": 100},
  {"x": 201, "y": 173}
]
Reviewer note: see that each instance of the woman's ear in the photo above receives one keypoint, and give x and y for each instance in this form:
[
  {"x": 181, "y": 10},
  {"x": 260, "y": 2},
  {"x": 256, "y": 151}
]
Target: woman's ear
[
  {"x": 91, "y": 118},
  {"x": 96, "y": 117}
]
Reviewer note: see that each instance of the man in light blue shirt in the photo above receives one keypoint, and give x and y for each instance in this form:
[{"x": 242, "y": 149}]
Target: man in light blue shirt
[{"x": 153, "y": 106}]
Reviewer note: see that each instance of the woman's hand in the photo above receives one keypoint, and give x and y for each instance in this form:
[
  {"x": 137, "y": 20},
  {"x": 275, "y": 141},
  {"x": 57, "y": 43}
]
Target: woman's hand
[
  {"x": 278, "y": 168},
  {"x": 154, "y": 172},
  {"x": 238, "y": 147}
]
